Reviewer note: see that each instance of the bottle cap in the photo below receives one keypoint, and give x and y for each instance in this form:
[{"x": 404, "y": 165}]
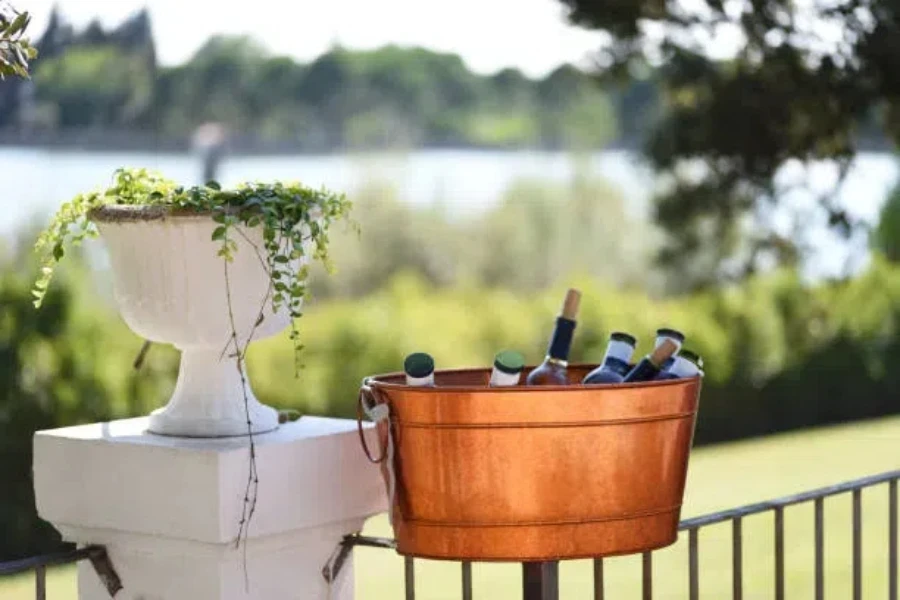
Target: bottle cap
[
  {"x": 570, "y": 304},
  {"x": 691, "y": 356},
  {"x": 418, "y": 364},
  {"x": 671, "y": 333},
  {"x": 623, "y": 337},
  {"x": 509, "y": 361}
]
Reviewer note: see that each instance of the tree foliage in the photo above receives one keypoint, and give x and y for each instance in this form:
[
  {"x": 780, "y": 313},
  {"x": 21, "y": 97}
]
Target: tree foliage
[
  {"x": 344, "y": 99},
  {"x": 15, "y": 49},
  {"x": 800, "y": 81}
]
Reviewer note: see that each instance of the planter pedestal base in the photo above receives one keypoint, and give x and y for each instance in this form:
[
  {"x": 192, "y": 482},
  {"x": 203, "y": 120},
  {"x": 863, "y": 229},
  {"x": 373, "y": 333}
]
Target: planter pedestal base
[
  {"x": 167, "y": 508},
  {"x": 208, "y": 400}
]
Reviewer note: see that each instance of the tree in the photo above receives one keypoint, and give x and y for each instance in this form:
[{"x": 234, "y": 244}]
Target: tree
[
  {"x": 97, "y": 86},
  {"x": 801, "y": 81},
  {"x": 15, "y": 49},
  {"x": 886, "y": 237}
]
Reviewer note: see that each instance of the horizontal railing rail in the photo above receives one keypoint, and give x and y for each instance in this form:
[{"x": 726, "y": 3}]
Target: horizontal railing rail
[{"x": 540, "y": 580}]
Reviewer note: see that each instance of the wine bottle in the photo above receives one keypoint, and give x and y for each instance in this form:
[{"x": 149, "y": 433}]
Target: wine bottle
[
  {"x": 676, "y": 336},
  {"x": 650, "y": 366},
  {"x": 553, "y": 370},
  {"x": 615, "y": 363},
  {"x": 508, "y": 367},
  {"x": 419, "y": 369},
  {"x": 686, "y": 364}
]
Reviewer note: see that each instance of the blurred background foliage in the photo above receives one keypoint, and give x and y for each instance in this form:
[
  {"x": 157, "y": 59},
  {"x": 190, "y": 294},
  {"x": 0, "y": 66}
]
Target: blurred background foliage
[{"x": 780, "y": 353}]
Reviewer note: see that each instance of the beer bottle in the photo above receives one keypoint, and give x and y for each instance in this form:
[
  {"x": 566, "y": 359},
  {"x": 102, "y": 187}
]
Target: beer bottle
[
  {"x": 508, "y": 367},
  {"x": 615, "y": 363},
  {"x": 686, "y": 364},
  {"x": 419, "y": 369},
  {"x": 650, "y": 366}
]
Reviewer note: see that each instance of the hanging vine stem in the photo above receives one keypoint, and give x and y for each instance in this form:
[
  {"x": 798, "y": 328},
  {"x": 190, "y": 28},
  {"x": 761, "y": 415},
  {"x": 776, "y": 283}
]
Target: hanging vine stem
[{"x": 290, "y": 215}]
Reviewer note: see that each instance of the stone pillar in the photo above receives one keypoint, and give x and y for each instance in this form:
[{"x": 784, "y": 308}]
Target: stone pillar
[{"x": 168, "y": 508}]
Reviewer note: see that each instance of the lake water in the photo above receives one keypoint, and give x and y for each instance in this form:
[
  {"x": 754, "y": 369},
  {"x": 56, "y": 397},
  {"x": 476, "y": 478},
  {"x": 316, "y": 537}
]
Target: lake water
[{"x": 35, "y": 182}]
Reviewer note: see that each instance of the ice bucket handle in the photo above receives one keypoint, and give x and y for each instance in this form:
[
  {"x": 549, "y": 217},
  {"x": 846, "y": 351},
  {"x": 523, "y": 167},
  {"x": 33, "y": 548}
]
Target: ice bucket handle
[{"x": 376, "y": 412}]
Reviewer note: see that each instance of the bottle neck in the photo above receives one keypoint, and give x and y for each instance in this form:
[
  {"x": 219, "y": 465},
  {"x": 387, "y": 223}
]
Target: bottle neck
[
  {"x": 500, "y": 378},
  {"x": 561, "y": 342},
  {"x": 427, "y": 381},
  {"x": 618, "y": 350},
  {"x": 556, "y": 361},
  {"x": 616, "y": 365},
  {"x": 682, "y": 367}
]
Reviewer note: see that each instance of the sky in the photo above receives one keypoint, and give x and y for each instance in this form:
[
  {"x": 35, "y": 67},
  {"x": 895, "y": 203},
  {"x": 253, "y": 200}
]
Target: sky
[{"x": 489, "y": 34}]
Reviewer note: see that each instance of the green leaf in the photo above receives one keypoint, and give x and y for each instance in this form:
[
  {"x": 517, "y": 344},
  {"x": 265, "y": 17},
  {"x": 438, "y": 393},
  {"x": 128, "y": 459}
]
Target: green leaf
[
  {"x": 213, "y": 184},
  {"x": 281, "y": 258},
  {"x": 58, "y": 251},
  {"x": 219, "y": 233},
  {"x": 18, "y": 24}
]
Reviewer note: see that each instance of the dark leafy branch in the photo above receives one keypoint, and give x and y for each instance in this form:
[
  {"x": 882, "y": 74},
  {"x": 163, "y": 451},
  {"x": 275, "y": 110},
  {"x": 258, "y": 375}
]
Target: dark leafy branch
[
  {"x": 799, "y": 84},
  {"x": 15, "y": 49}
]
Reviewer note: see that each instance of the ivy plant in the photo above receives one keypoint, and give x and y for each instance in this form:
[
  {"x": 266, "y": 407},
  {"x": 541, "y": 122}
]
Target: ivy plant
[
  {"x": 15, "y": 49},
  {"x": 291, "y": 216}
]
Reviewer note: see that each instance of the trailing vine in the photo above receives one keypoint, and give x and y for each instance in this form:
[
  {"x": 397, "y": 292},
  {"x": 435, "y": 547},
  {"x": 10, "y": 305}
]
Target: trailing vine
[{"x": 295, "y": 220}]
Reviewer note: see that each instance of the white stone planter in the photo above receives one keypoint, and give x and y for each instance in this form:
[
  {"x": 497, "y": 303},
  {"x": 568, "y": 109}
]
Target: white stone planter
[{"x": 170, "y": 287}]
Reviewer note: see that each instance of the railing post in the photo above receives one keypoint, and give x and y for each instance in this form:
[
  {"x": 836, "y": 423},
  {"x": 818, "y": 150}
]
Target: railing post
[
  {"x": 540, "y": 580},
  {"x": 892, "y": 540},
  {"x": 857, "y": 544},
  {"x": 737, "y": 559}
]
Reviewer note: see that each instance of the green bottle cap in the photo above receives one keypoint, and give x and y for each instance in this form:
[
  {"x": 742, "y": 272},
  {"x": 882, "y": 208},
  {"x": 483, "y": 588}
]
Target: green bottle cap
[
  {"x": 509, "y": 361},
  {"x": 418, "y": 364}
]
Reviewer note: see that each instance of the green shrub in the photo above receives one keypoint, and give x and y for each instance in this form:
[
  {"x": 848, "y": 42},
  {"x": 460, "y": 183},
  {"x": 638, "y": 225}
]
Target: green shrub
[{"x": 779, "y": 354}]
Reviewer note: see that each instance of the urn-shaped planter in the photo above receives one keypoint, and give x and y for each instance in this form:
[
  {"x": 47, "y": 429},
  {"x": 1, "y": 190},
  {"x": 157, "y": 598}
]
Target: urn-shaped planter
[{"x": 171, "y": 287}]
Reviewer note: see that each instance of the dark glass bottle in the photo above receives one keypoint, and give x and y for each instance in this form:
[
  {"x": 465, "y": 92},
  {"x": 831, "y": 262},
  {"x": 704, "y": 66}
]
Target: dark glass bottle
[
  {"x": 507, "y": 369},
  {"x": 615, "y": 363},
  {"x": 686, "y": 364},
  {"x": 676, "y": 336},
  {"x": 419, "y": 369},
  {"x": 650, "y": 366},
  {"x": 553, "y": 370}
]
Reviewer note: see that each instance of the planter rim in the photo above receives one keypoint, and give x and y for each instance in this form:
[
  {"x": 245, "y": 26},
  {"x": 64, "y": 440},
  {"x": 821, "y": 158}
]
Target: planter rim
[{"x": 119, "y": 213}]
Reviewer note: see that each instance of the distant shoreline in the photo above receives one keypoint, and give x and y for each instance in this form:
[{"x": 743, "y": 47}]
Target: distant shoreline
[
  {"x": 135, "y": 141},
  {"x": 249, "y": 146}
]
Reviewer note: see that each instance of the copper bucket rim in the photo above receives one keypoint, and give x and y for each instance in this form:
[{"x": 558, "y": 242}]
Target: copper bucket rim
[
  {"x": 372, "y": 385},
  {"x": 376, "y": 381}
]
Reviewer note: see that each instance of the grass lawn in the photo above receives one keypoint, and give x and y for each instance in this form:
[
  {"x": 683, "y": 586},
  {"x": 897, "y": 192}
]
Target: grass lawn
[{"x": 720, "y": 477}]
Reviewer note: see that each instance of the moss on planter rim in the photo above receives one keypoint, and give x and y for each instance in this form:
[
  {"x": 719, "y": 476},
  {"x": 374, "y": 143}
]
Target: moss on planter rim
[{"x": 121, "y": 213}]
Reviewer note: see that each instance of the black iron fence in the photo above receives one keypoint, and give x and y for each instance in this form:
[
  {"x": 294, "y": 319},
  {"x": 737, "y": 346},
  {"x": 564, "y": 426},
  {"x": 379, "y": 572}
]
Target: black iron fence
[
  {"x": 96, "y": 554},
  {"x": 541, "y": 580}
]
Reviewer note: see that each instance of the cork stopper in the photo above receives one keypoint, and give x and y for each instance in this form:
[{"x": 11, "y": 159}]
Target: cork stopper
[
  {"x": 570, "y": 304},
  {"x": 663, "y": 352}
]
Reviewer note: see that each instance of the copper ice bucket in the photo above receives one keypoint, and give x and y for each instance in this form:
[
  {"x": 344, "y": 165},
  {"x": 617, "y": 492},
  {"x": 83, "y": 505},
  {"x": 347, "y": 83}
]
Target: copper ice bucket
[{"x": 533, "y": 473}]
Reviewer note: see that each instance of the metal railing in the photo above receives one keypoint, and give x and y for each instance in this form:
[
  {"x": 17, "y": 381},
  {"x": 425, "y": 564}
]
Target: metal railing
[
  {"x": 96, "y": 554},
  {"x": 540, "y": 581}
]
